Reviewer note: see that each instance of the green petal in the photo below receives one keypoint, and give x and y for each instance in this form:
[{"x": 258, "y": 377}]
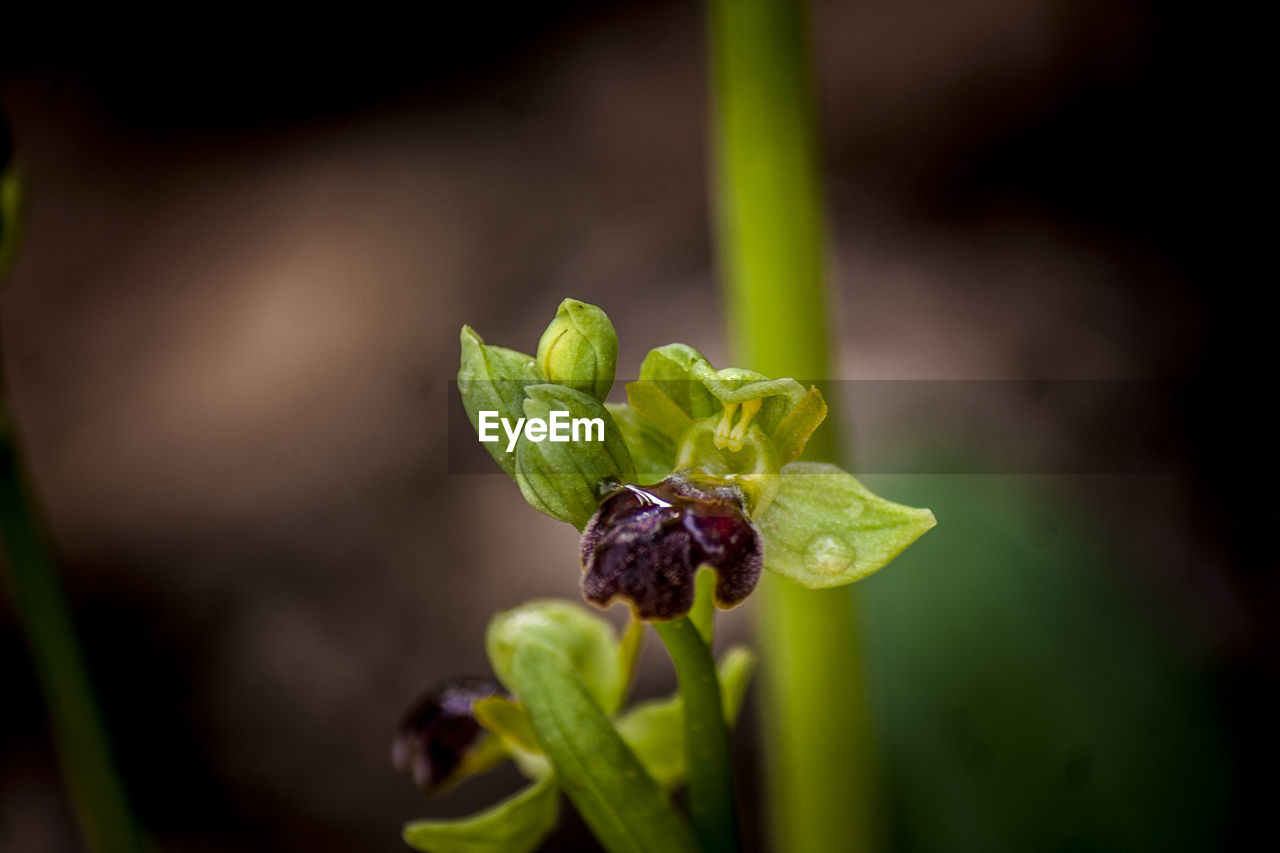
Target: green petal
[
  {"x": 652, "y": 452},
  {"x": 586, "y": 640},
  {"x": 655, "y": 729},
  {"x": 825, "y": 529},
  {"x": 562, "y": 478},
  {"x": 515, "y": 825},
  {"x": 494, "y": 379}
]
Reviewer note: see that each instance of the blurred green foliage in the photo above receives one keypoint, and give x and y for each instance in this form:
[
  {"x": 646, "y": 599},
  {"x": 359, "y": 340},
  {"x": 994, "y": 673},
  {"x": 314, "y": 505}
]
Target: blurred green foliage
[{"x": 1024, "y": 701}]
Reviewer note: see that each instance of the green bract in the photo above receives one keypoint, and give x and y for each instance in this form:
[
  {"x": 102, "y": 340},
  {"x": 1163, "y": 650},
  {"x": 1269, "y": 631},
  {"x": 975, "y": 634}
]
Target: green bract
[
  {"x": 562, "y": 478},
  {"x": 586, "y": 641},
  {"x": 494, "y": 379}
]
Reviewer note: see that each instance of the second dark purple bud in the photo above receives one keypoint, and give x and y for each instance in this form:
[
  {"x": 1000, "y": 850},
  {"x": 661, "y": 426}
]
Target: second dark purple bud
[{"x": 440, "y": 730}]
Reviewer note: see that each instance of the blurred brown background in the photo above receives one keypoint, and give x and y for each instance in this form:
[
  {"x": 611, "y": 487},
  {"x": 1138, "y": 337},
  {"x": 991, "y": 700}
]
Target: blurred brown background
[{"x": 252, "y": 241}]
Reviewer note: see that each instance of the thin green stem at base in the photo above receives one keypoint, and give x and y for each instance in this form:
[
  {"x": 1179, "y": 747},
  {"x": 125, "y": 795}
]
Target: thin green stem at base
[
  {"x": 819, "y": 756},
  {"x": 706, "y": 738},
  {"x": 106, "y": 823}
]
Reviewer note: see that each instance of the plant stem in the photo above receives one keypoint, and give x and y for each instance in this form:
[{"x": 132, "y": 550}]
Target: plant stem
[
  {"x": 706, "y": 738},
  {"x": 79, "y": 735},
  {"x": 819, "y": 756}
]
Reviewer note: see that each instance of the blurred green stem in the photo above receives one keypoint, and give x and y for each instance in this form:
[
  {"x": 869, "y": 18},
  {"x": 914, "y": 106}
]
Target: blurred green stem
[
  {"x": 106, "y": 823},
  {"x": 819, "y": 757},
  {"x": 706, "y": 738}
]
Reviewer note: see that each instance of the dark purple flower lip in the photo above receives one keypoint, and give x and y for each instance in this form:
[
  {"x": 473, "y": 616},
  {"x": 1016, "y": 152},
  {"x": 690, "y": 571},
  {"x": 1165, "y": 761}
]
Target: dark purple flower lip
[
  {"x": 440, "y": 730},
  {"x": 645, "y": 545}
]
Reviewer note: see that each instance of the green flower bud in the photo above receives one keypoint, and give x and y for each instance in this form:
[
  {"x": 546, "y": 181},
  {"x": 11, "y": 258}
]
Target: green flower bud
[
  {"x": 494, "y": 379},
  {"x": 580, "y": 349},
  {"x": 576, "y": 448}
]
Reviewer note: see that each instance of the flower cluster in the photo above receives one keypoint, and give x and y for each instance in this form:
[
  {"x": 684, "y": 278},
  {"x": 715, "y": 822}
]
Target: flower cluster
[{"x": 697, "y": 470}]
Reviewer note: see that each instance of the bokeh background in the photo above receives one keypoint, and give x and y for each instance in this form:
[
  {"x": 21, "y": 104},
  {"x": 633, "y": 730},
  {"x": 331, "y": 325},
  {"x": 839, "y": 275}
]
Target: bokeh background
[{"x": 230, "y": 331}]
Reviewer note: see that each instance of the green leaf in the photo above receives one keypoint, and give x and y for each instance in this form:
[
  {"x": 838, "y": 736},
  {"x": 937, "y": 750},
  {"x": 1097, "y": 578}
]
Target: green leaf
[
  {"x": 562, "y": 478},
  {"x": 652, "y": 451},
  {"x": 494, "y": 379},
  {"x": 586, "y": 640},
  {"x": 579, "y": 349},
  {"x": 515, "y": 825},
  {"x": 621, "y": 803},
  {"x": 655, "y": 729},
  {"x": 825, "y": 529}
]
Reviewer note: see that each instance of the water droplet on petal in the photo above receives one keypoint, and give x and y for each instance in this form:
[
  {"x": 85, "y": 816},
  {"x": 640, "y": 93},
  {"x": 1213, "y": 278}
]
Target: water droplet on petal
[{"x": 828, "y": 555}]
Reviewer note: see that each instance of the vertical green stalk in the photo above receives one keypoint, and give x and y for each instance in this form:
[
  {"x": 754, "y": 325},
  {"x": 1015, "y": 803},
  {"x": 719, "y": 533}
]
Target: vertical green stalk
[
  {"x": 79, "y": 735},
  {"x": 706, "y": 738},
  {"x": 819, "y": 759}
]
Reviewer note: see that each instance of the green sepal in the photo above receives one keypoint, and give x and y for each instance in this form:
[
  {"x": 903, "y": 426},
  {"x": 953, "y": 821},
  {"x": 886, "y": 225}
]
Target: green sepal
[
  {"x": 579, "y": 349},
  {"x": 487, "y": 753},
  {"x": 494, "y": 379},
  {"x": 506, "y": 719},
  {"x": 562, "y": 479},
  {"x": 670, "y": 368},
  {"x": 655, "y": 729},
  {"x": 624, "y": 807},
  {"x": 826, "y": 529},
  {"x": 649, "y": 400},
  {"x": 792, "y": 434},
  {"x": 516, "y": 825},
  {"x": 681, "y": 375},
  {"x": 586, "y": 640},
  {"x": 652, "y": 451}
]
